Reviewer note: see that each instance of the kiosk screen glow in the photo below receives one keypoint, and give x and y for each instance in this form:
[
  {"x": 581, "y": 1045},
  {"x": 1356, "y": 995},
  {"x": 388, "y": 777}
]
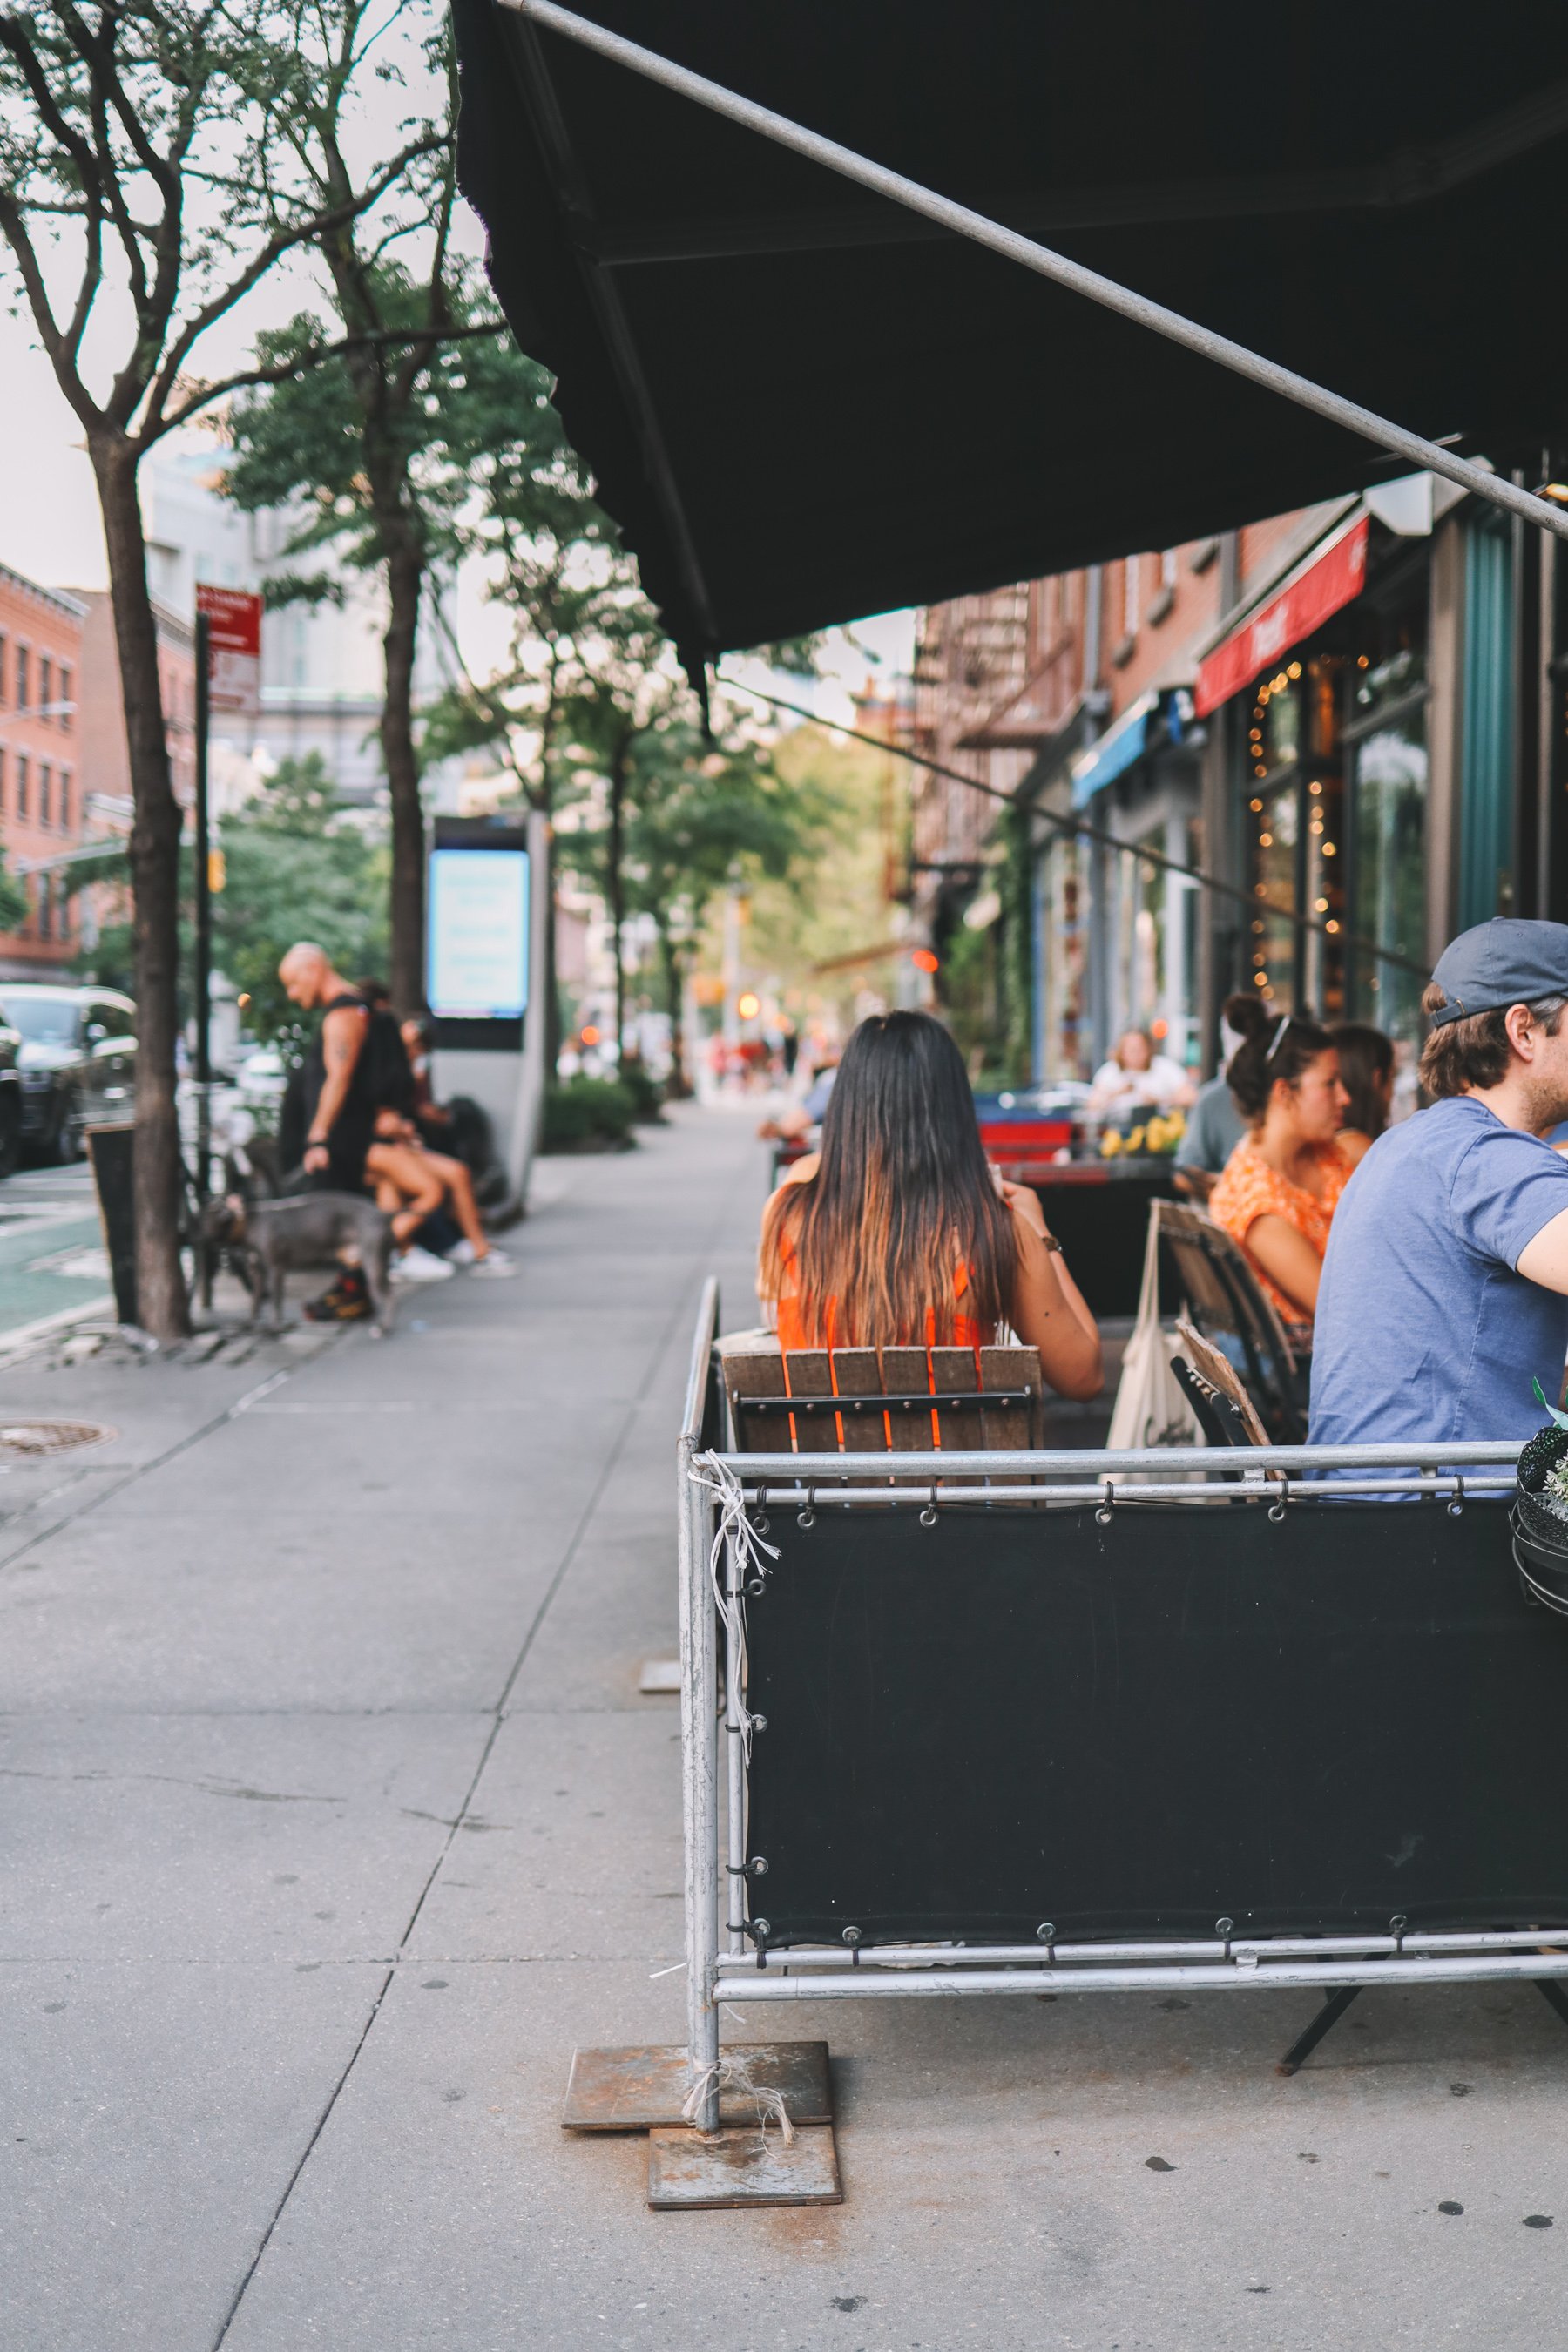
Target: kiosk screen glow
[{"x": 479, "y": 933}]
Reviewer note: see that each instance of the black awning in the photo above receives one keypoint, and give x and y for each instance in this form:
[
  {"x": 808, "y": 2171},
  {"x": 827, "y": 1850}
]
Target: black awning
[{"x": 803, "y": 403}]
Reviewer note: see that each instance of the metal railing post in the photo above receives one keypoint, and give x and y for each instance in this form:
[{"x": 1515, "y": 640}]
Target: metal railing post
[
  {"x": 698, "y": 1734},
  {"x": 734, "y": 1671}
]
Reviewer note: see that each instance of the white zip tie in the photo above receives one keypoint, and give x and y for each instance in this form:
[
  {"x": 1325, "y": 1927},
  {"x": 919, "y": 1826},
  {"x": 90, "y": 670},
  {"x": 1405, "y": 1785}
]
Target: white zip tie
[{"x": 716, "y": 1478}]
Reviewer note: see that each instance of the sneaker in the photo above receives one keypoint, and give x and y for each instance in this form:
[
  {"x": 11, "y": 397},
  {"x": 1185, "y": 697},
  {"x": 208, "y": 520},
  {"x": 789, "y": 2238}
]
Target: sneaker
[
  {"x": 496, "y": 1265},
  {"x": 416, "y": 1264},
  {"x": 348, "y": 1301},
  {"x": 461, "y": 1253}
]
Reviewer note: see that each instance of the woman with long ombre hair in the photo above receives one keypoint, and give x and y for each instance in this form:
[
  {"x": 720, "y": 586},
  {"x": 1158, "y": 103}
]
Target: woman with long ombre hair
[{"x": 899, "y": 1233}]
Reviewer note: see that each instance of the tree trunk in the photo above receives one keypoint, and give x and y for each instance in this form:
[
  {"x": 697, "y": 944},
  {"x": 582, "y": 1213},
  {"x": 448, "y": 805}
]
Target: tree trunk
[
  {"x": 405, "y": 577},
  {"x": 678, "y": 1085},
  {"x": 162, "y": 1306},
  {"x": 617, "y": 815}
]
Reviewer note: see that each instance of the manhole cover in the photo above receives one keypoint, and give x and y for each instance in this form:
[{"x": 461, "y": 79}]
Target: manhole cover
[{"x": 51, "y": 1436}]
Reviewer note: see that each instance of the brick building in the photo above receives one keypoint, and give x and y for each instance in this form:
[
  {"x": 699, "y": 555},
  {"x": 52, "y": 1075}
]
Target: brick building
[
  {"x": 41, "y": 768},
  {"x": 106, "y": 756},
  {"x": 1351, "y": 714}
]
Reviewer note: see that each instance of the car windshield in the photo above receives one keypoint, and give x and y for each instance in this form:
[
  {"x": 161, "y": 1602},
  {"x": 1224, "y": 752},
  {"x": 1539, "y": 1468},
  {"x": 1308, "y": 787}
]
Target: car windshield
[{"x": 43, "y": 1020}]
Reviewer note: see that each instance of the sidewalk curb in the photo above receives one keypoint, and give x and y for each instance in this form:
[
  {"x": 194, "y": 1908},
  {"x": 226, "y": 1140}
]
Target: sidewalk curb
[{"x": 19, "y": 1340}]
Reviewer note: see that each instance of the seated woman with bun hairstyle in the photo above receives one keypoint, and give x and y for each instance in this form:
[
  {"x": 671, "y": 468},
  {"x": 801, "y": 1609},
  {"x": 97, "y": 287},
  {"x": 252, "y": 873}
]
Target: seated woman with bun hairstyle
[
  {"x": 1282, "y": 1185},
  {"x": 902, "y": 1235}
]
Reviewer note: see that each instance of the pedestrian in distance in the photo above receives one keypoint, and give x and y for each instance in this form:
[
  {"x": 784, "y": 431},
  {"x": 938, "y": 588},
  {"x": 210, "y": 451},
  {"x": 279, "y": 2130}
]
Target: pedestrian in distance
[{"x": 1215, "y": 1126}]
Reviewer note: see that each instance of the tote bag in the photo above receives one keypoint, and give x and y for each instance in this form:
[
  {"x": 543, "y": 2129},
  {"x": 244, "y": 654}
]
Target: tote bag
[{"x": 1152, "y": 1407}]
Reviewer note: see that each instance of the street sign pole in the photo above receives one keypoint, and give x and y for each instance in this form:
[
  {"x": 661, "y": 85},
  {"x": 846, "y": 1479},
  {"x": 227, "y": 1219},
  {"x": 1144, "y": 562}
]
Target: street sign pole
[{"x": 203, "y": 946}]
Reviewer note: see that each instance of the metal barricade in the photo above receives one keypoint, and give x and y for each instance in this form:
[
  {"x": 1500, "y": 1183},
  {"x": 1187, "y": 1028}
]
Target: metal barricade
[{"x": 1046, "y": 1731}]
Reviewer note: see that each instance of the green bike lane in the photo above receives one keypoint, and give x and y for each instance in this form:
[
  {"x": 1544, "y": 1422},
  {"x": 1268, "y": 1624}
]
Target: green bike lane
[{"x": 51, "y": 1247}]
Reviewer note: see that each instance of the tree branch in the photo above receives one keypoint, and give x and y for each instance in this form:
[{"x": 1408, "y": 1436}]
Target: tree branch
[
  {"x": 312, "y": 356},
  {"x": 61, "y": 354},
  {"x": 155, "y": 424}
]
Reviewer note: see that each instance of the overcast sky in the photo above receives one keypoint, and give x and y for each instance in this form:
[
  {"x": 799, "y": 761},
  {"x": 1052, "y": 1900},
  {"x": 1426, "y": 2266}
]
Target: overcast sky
[{"x": 49, "y": 527}]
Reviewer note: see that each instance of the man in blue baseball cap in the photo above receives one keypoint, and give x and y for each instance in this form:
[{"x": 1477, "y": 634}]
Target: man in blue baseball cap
[{"x": 1444, "y": 1287}]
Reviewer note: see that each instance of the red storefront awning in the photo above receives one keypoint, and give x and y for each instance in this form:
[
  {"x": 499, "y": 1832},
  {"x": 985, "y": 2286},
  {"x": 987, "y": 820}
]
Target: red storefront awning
[{"x": 1294, "y": 613}]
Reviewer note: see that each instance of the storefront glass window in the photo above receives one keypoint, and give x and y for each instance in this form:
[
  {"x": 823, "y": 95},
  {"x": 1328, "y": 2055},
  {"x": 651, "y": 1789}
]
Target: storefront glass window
[
  {"x": 1273, "y": 815},
  {"x": 1390, "y": 868},
  {"x": 1385, "y": 705},
  {"x": 1333, "y": 787}
]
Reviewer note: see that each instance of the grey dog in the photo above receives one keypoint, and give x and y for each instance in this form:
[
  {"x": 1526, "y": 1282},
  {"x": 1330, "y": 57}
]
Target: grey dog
[{"x": 306, "y": 1228}]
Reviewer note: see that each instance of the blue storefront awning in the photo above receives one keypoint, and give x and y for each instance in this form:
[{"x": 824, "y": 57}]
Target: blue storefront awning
[{"x": 1115, "y": 751}]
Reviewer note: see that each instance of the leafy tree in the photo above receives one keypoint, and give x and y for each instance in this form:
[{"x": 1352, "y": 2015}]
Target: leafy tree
[
  {"x": 15, "y": 906},
  {"x": 378, "y": 451},
  {"x": 695, "y": 817},
  {"x": 159, "y": 146},
  {"x": 629, "y": 697},
  {"x": 576, "y": 610},
  {"x": 295, "y": 868}
]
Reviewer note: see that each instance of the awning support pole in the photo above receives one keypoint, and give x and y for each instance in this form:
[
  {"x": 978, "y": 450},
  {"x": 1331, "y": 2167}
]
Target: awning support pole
[{"x": 962, "y": 222}]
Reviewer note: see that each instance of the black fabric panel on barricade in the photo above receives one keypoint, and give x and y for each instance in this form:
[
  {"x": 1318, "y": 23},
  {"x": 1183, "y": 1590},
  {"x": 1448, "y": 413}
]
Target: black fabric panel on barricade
[{"x": 1138, "y": 1728}]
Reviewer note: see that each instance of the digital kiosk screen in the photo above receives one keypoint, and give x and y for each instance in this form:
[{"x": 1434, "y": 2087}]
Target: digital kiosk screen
[{"x": 478, "y": 934}]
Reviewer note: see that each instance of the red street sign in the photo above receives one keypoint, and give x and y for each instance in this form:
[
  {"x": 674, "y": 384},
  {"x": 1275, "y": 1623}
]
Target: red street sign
[
  {"x": 234, "y": 648},
  {"x": 1293, "y": 614}
]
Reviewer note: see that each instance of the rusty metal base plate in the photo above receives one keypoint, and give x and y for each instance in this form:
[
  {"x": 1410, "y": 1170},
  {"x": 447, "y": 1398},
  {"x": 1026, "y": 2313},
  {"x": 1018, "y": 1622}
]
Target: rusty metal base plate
[
  {"x": 632, "y": 2090},
  {"x": 687, "y": 2170}
]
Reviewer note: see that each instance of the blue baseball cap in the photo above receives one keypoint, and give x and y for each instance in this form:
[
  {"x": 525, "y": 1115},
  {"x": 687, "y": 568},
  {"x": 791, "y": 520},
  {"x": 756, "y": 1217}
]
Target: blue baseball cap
[{"x": 1503, "y": 962}]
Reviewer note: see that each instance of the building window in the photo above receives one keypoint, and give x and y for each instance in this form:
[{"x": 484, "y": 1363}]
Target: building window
[
  {"x": 46, "y": 682},
  {"x": 45, "y": 780},
  {"x": 21, "y": 677},
  {"x": 2, "y": 644},
  {"x": 65, "y": 800},
  {"x": 1134, "y": 568},
  {"x": 66, "y": 677},
  {"x": 21, "y": 785}
]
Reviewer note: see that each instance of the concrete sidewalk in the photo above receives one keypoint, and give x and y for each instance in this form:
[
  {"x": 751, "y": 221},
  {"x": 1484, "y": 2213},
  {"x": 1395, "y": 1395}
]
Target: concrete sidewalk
[{"x": 332, "y": 1819}]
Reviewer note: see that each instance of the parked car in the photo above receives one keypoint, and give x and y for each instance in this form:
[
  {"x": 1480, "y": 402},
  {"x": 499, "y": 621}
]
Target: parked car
[
  {"x": 10, "y": 1102},
  {"x": 77, "y": 1060},
  {"x": 262, "y": 1079}
]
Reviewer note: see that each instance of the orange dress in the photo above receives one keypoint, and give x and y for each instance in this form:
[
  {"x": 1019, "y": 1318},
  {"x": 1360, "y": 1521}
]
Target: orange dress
[
  {"x": 1249, "y": 1189},
  {"x": 966, "y": 1331}
]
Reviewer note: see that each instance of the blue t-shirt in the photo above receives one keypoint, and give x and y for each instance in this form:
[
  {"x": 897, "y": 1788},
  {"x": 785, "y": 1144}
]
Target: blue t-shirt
[
  {"x": 1424, "y": 1328},
  {"x": 1214, "y": 1129}
]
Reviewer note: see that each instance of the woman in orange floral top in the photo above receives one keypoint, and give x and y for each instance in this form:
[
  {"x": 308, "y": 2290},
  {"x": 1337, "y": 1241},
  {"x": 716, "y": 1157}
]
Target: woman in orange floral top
[{"x": 1282, "y": 1184}]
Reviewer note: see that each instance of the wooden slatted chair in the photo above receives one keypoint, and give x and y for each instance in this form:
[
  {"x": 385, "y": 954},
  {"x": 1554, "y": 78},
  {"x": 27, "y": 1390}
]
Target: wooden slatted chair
[
  {"x": 1224, "y": 1295},
  {"x": 887, "y": 1400}
]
